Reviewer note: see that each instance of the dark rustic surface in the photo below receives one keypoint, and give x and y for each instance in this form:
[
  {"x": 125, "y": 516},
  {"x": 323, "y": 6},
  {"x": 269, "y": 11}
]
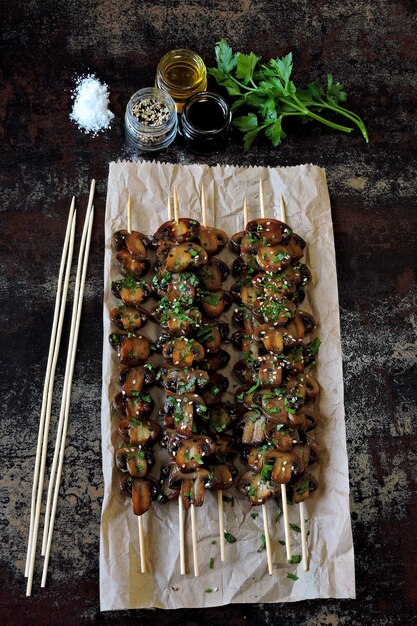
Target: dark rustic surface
[{"x": 45, "y": 159}]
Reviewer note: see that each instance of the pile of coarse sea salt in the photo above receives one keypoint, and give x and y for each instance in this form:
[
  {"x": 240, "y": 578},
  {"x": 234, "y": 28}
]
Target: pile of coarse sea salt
[{"x": 91, "y": 100}]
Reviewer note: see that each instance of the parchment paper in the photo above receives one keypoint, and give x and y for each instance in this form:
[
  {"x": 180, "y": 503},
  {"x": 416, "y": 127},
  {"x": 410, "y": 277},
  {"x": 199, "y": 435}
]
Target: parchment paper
[{"x": 243, "y": 577}]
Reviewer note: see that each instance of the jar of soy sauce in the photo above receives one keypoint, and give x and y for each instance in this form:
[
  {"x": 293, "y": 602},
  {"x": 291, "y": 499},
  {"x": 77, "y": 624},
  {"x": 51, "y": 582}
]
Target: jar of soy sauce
[{"x": 205, "y": 122}]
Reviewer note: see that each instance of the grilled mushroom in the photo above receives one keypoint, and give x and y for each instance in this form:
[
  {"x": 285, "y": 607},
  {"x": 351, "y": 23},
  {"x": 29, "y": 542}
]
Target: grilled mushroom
[
  {"x": 131, "y": 291},
  {"x": 192, "y": 485},
  {"x": 141, "y": 490},
  {"x": 212, "y": 240},
  {"x": 133, "y": 379},
  {"x": 135, "y": 243},
  {"x": 271, "y": 230},
  {"x": 177, "y": 231},
  {"x": 190, "y": 453},
  {"x": 212, "y": 392},
  {"x": 166, "y": 491},
  {"x": 255, "y": 488},
  {"x": 135, "y": 460},
  {"x": 179, "y": 412},
  {"x": 179, "y": 380},
  {"x": 138, "y": 405},
  {"x": 128, "y": 317},
  {"x": 183, "y": 351},
  {"x": 253, "y": 428},
  {"x": 302, "y": 486},
  {"x": 273, "y": 258},
  {"x": 130, "y": 266},
  {"x": 216, "y": 361},
  {"x": 212, "y": 274},
  {"x": 185, "y": 255},
  {"x": 214, "y": 303},
  {"x": 211, "y": 334},
  {"x": 224, "y": 476},
  {"x": 139, "y": 432}
]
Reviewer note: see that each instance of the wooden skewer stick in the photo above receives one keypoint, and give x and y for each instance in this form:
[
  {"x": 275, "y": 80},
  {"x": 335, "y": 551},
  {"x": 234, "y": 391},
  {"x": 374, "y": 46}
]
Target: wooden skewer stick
[
  {"x": 267, "y": 538},
  {"x": 245, "y": 212},
  {"x": 141, "y": 545},
  {"x": 282, "y": 205},
  {"x": 129, "y": 214},
  {"x": 59, "y": 311},
  {"x": 169, "y": 209},
  {"x": 72, "y": 349},
  {"x": 64, "y": 391},
  {"x": 221, "y": 525},
  {"x": 203, "y": 206},
  {"x": 181, "y": 531},
  {"x": 176, "y": 211},
  {"x": 304, "y": 549},
  {"x": 286, "y": 521},
  {"x": 261, "y": 199},
  {"x": 194, "y": 537},
  {"x": 283, "y": 487}
]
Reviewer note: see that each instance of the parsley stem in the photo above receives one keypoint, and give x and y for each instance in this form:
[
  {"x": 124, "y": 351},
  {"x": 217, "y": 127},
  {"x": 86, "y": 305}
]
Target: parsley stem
[{"x": 350, "y": 115}]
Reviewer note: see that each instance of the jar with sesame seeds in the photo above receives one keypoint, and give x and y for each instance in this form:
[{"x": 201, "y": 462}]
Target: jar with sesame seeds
[{"x": 151, "y": 120}]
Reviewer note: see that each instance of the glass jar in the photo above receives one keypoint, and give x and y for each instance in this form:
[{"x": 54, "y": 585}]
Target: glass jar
[
  {"x": 205, "y": 122},
  {"x": 151, "y": 120},
  {"x": 181, "y": 73}
]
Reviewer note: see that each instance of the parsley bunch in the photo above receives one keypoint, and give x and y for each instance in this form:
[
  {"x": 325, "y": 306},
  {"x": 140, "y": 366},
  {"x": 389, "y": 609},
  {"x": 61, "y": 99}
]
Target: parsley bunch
[{"x": 268, "y": 90}]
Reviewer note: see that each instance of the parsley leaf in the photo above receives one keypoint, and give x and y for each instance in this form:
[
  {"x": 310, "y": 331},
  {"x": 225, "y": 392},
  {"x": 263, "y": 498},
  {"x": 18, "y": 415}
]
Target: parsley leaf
[
  {"x": 229, "y": 537},
  {"x": 292, "y": 576},
  {"x": 295, "y": 528},
  {"x": 296, "y": 558},
  {"x": 269, "y": 90}
]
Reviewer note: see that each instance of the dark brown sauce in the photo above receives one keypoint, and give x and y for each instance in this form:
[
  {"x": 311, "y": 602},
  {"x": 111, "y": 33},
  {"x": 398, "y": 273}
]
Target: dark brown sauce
[{"x": 206, "y": 115}]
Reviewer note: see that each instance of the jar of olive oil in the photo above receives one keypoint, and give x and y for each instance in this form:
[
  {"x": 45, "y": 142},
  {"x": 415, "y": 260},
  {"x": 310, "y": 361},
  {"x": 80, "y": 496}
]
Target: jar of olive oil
[{"x": 181, "y": 73}]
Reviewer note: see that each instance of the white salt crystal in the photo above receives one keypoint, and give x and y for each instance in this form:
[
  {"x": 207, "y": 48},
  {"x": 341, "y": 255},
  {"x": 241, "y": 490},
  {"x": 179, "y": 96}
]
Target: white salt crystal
[{"x": 90, "y": 110}]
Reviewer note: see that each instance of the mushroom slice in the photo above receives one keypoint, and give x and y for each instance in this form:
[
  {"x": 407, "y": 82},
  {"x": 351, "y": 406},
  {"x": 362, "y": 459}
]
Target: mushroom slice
[
  {"x": 274, "y": 285},
  {"x": 295, "y": 247},
  {"x": 182, "y": 410},
  {"x": 185, "y": 255},
  {"x": 182, "y": 288},
  {"x": 248, "y": 295},
  {"x": 193, "y": 487},
  {"x": 138, "y": 405},
  {"x": 217, "y": 361},
  {"x": 190, "y": 453},
  {"x": 277, "y": 311},
  {"x": 177, "y": 231},
  {"x": 253, "y": 428},
  {"x": 221, "y": 417},
  {"x": 255, "y": 488},
  {"x": 235, "y": 241},
  {"x": 243, "y": 269},
  {"x": 311, "y": 416},
  {"x": 176, "y": 319},
  {"x": 273, "y": 258},
  {"x": 129, "y": 266},
  {"x": 270, "y": 230},
  {"x": 166, "y": 491},
  {"x": 134, "y": 350},
  {"x": 134, "y": 460},
  {"x": 211, "y": 334},
  {"x": 302, "y": 486},
  {"x": 284, "y": 465},
  {"x": 269, "y": 370},
  {"x": 180, "y": 380},
  {"x": 212, "y": 392},
  {"x": 139, "y": 432},
  {"x": 143, "y": 491},
  {"x": 212, "y": 240},
  {"x": 183, "y": 351},
  {"x": 244, "y": 372},
  {"x": 225, "y": 448},
  {"x": 128, "y": 317},
  {"x": 271, "y": 336},
  {"x": 283, "y": 439},
  {"x": 131, "y": 291},
  {"x": 133, "y": 379},
  {"x": 135, "y": 243},
  {"x": 212, "y": 274},
  {"x": 224, "y": 476},
  {"x": 214, "y": 303}
]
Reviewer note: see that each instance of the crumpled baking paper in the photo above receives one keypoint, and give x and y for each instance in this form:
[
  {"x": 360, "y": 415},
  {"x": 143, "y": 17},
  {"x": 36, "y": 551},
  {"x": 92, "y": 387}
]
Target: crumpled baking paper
[{"x": 244, "y": 576}]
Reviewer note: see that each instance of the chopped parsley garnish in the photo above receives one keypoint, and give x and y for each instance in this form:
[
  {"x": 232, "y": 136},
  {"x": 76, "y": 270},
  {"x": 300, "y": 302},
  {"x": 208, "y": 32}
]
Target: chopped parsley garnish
[
  {"x": 229, "y": 537},
  {"x": 292, "y": 576},
  {"x": 263, "y": 543},
  {"x": 296, "y": 558},
  {"x": 254, "y": 515},
  {"x": 295, "y": 528},
  {"x": 211, "y": 564}
]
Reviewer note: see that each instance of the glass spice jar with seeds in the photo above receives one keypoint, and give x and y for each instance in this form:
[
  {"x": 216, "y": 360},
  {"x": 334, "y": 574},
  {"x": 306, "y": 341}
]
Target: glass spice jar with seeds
[{"x": 151, "y": 120}]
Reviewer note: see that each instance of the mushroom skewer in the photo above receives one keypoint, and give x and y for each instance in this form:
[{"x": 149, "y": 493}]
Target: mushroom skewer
[
  {"x": 219, "y": 491},
  {"x": 304, "y": 549}
]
